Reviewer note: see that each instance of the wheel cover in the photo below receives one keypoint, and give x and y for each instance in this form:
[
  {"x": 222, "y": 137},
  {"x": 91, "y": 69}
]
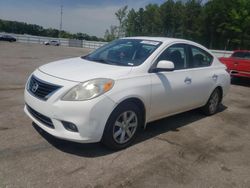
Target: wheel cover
[
  {"x": 125, "y": 127},
  {"x": 214, "y": 101}
]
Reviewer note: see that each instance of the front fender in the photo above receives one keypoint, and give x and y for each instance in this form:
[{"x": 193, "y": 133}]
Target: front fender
[{"x": 136, "y": 87}]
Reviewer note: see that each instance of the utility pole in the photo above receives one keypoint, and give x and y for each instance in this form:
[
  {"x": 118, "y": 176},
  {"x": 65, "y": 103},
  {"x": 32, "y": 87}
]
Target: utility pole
[{"x": 61, "y": 19}]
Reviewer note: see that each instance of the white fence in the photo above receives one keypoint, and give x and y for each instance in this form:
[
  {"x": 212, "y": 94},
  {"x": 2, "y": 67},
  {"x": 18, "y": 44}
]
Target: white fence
[
  {"x": 84, "y": 43},
  {"x": 64, "y": 42},
  {"x": 221, "y": 53}
]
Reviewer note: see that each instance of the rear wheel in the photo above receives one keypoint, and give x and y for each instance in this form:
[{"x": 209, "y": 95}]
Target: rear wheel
[
  {"x": 122, "y": 126},
  {"x": 213, "y": 102}
]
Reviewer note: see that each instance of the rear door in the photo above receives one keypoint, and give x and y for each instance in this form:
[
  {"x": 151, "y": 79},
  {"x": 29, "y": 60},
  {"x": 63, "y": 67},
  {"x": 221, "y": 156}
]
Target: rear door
[{"x": 204, "y": 75}]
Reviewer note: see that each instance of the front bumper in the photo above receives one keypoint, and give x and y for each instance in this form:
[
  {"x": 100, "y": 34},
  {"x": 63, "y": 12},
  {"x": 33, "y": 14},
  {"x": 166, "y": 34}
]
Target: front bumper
[
  {"x": 237, "y": 73},
  {"x": 89, "y": 116}
]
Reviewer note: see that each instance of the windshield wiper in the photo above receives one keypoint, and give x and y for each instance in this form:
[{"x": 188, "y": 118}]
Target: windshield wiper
[
  {"x": 106, "y": 61},
  {"x": 100, "y": 60}
]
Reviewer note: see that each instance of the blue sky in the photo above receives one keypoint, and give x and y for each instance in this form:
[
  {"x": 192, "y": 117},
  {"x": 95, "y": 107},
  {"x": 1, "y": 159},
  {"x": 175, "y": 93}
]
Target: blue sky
[{"x": 92, "y": 17}]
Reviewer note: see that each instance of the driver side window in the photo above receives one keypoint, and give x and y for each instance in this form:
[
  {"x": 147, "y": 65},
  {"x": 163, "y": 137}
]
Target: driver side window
[{"x": 177, "y": 54}]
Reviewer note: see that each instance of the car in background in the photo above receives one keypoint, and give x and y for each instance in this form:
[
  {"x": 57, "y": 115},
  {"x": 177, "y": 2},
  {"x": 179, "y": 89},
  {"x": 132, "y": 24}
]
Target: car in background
[
  {"x": 52, "y": 43},
  {"x": 238, "y": 63},
  {"x": 109, "y": 94},
  {"x": 8, "y": 38}
]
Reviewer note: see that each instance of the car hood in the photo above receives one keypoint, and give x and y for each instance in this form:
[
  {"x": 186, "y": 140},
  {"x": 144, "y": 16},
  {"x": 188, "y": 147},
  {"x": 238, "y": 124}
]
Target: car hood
[{"x": 79, "y": 70}]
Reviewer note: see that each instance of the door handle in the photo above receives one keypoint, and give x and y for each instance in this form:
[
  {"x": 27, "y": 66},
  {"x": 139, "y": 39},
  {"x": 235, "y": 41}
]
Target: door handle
[
  {"x": 188, "y": 80},
  {"x": 215, "y": 76}
]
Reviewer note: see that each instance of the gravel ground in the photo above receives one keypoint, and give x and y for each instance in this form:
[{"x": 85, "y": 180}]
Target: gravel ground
[{"x": 186, "y": 150}]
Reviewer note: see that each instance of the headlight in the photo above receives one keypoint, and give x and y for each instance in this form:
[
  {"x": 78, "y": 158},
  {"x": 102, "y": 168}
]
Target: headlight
[{"x": 89, "y": 90}]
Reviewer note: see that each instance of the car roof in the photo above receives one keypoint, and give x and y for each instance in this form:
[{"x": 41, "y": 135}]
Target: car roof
[
  {"x": 167, "y": 40},
  {"x": 160, "y": 39}
]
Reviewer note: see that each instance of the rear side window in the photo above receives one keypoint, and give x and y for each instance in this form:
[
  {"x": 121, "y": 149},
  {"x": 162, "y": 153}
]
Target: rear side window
[{"x": 199, "y": 58}]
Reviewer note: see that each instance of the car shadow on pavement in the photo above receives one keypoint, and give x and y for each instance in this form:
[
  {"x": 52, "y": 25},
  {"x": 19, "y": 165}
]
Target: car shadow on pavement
[
  {"x": 173, "y": 123},
  {"x": 241, "y": 81},
  {"x": 152, "y": 130},
  {"x": 85, "y": 150}
]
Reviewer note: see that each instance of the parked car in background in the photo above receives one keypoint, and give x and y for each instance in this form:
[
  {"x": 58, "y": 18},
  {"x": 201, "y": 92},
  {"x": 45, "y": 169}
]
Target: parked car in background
[
  {"x": 109, "y": 94},
  {"x": 8, "y": 38},
  {"x": 238, "y": 63},
  {"x": 52, "y": 43}
]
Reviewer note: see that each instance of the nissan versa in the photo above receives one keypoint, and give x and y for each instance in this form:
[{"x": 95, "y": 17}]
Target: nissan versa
[{"x": 110, "y": 93}]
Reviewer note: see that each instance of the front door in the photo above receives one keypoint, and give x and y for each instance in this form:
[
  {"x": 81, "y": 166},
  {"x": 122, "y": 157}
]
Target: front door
[{"x": 172, "y": 91}]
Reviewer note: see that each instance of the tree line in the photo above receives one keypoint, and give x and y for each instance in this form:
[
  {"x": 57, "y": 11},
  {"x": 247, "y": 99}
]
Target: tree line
[
  {"x": 217, "y": 24},
  {"x": 33, "y": 29}
]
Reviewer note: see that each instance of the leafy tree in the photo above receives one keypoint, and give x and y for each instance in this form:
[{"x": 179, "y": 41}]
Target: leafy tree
[
  {"x": 217, "y": 24},
  {"x": 132, "y": 23},
  {"x": 121, "y": 16},
  {"x": 172, "y": 18},
  {"x": 192, "y": 20},
  {"x": 216, "y": 18},
  {"x": 240, "y": 22},
  {"x": 111, "y": 34},
  {"x": 153, "y": 22},
  {"x": 141, "y": 21}
]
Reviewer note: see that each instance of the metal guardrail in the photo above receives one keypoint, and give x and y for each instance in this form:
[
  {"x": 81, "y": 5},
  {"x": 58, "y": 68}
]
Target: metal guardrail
[{"x": 83, "y": 43}]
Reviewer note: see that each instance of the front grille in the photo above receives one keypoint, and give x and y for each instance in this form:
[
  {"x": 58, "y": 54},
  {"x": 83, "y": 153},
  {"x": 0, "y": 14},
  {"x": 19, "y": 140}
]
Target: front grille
[
  {"x": 42, "y": 118},
  {"x": 41, "y": 89}
]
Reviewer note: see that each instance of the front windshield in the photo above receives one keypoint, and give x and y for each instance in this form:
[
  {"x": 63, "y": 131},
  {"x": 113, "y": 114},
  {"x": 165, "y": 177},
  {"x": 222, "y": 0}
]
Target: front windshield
[
  {"x": 242, "y": 55},
  {"x": 124, "y": 52}
]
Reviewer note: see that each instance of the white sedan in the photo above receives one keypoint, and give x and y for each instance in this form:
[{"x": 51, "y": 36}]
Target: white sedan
[
  {"x": 52, "y": 43},
  {"x": 109, "y": 94}
]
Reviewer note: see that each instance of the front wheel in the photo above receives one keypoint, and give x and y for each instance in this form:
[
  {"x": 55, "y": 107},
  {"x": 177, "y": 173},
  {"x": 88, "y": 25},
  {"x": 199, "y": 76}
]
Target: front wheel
[
  {"x": 122, "y": 126},
  {"x": 213, "y": 103}
]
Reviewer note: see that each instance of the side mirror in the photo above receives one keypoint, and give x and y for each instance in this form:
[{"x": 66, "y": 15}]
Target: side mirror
[{"x": 164, "y": 65}]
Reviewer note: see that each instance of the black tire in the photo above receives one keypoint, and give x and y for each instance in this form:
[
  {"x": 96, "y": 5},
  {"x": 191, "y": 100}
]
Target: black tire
[
  {"x": 211, "y": 106},
  {"x": 108, "y": 135}
]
